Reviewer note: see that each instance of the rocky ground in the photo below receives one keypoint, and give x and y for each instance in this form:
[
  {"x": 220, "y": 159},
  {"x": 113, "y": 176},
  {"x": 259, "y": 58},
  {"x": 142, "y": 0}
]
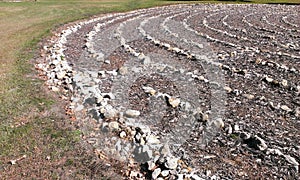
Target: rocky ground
[{"x": 185, "y": 91}]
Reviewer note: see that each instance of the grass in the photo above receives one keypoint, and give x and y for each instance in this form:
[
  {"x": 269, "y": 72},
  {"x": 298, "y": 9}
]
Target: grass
[{"x": 30, "y": 122}]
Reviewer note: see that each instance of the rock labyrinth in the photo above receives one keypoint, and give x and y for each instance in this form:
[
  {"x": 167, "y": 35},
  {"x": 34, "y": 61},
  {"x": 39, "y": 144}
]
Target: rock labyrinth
[{"x": 187, "y": 91}]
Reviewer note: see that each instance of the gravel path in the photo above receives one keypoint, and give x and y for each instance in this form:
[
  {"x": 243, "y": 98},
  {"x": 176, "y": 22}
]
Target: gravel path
[{"x": 185, "y": 91}]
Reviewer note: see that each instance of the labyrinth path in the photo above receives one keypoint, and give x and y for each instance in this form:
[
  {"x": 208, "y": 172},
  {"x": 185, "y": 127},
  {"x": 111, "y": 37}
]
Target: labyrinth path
[{"x": 186, "y": 91}]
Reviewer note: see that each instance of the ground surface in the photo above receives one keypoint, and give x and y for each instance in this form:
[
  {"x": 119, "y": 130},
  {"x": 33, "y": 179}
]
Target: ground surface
[{"x": 234, "y": 69}]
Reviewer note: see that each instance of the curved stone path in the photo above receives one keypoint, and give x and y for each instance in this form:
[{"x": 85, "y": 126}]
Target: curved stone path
[{"x": 185, "y": 91}]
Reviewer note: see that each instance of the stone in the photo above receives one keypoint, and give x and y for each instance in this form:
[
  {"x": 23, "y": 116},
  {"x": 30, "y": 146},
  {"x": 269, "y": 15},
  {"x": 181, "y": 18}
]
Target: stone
[
  {"x": 146, "y": 60},
  {"x": 268, "y": 79},
  {"x": 132, "y": 113},
  {"x": 123, "y": 134},
  {"x": 165, "y": 173},
  {"x": 284, "y": 83},
  {"x": 123, "y": 70},
  {"x": 113, "y": 125},
  {"x": 156, "y": 173},
  {"x": 196, "y": 177},
  {"x": 236, "y": 127},
  {"x": 110, "y": 112},
  {"x": 292, "y": 161},
  {"x": 249, "y": 96},
  {"x": 286, "y": 108},
  {"x": 227, "y": 89},
  {"x": 219, "y": 123},
  {"x": 171, "y": 163},
  {"x": 79, "y": 108},
  {"x": 149, "y": 90},
  {"x": 55, "y": 89},
  {"x": 151, "y": 165},
  {"x": 229, "y": 130},
  {"x": 174, "y": 102},
  {"x": 153, "y": 139},
  {"x": 256, "y": 142}
]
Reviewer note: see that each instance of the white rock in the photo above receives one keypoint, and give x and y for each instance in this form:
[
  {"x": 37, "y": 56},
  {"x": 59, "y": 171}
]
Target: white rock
[
  {"x": 227, "y": 89},
  {"x": 123, "y": 134},
  {"x": 174, "y": 102},
  {"x": 219, "y": 123},
  {"x": 236, "y": 127},
  {"x": 55, "y": 89},
  {"x": 262, "y": 146},
  {"x": 146, "y": 60},
  {"x": 156, "y": 173},
  {"x": 153, "y": 139},
  {"x": 149, "y": 90},
  {"x": 132, "y": 113},
  {"x": 165, "y": 173},
  {"x": 284, "y": 83},
  {"x": 292, "y": 160},
  {"x": 110, "y": 112},
  {"x": 286, "y": 108},
  {"x": 113, "y": 125},
  {"x": 151, "y": 165},
  {"x": 268, "y": 79},
  {"x": 196, "y": 177},
  {"x": 171, "y": 162},
  {"x": 123, "y": 70}
]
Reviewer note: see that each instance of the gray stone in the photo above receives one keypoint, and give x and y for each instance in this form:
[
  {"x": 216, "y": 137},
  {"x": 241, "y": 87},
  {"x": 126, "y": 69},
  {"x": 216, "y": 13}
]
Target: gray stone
[
  {"x": 146, "y": 60},
  {"x": 110, "y": 112}
]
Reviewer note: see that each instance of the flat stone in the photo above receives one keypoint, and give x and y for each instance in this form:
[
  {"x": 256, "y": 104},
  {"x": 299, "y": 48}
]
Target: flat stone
[
  {"x": 132, "y": 113},
  {"x": 286, "y": 108},
  {"x": 149, "y": 90},
  {"x": 249, "y": 96}
]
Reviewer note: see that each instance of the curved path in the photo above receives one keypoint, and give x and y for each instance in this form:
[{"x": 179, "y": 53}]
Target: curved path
[{"x": 186, "y": 91}]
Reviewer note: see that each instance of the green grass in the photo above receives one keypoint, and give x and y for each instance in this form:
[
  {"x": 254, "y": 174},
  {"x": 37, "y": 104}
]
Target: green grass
[{"x": 28, "y": 123}]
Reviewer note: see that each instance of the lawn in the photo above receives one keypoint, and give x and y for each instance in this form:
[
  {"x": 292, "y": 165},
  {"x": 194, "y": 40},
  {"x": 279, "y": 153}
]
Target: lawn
[{"x": 32, "y": 122}]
